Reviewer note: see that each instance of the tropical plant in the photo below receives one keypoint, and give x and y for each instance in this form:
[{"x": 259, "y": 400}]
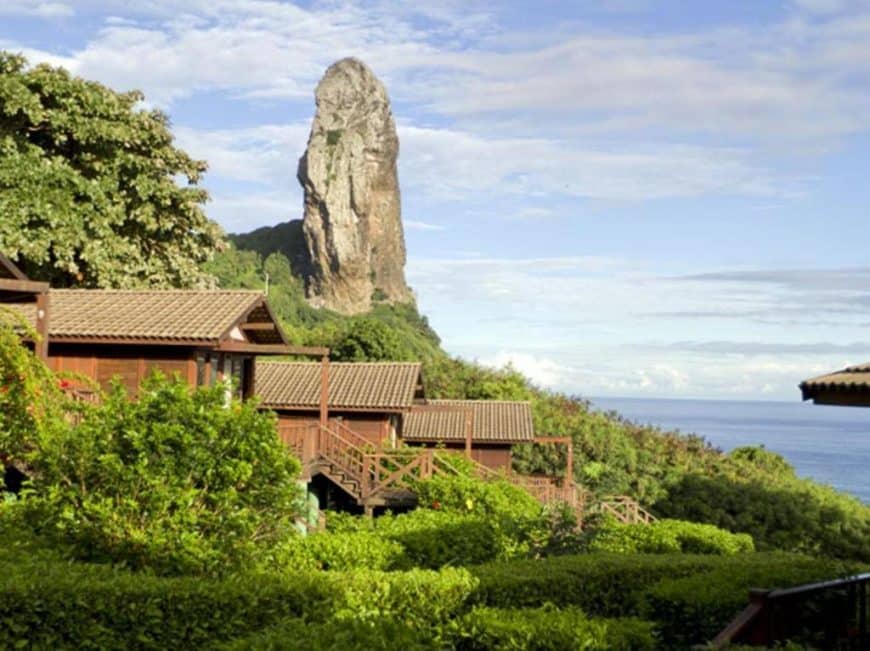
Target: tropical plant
[{"x": 89, "y": 188}]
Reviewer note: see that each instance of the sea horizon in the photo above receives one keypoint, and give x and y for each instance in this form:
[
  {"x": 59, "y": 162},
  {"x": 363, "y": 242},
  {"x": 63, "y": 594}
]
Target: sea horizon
[{"x": 828, "y": 444}]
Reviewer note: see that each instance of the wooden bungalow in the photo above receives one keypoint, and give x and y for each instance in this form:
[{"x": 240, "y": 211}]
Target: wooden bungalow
[
  {"x": 848, "y": 387},
  {"x": 369, "y": 399},
  {"x": 488, "y": 429},
  {"x": 203, "y": 336}
]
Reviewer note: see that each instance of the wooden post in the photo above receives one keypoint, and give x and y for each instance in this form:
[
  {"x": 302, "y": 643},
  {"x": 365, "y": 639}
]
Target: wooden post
[
  {"x": 42, "y": 307},
  {"x": 569, "y": 473},
  {"x": 469, "y": 427},
  {"x": 324, "y": 390}
]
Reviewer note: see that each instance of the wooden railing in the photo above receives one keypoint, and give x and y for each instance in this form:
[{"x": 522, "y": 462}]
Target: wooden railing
[
  {"x": 344, "y": 454},
  {"x": 625, "y": 509},
  {"x": 389, "y": 470},
  {"x": 372, "y": 472},
  {"x": 827, "y": 615}
]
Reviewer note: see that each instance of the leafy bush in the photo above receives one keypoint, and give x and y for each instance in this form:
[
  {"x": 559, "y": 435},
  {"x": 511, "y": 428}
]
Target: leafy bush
[
  {"x": 463, "y": 494},
  {"x": 419, "y": 597},
  {"x": 605, "y": 585},
  {"x": 667, "y": 536},
  {"x": 175, "y": 481},
  {"x": 340, "y": 551},
  {"x": 56, "y": 605},
  {"x": 692, "y": 609},
  {"x": 384, "y": 634},
  {"x": 369, "y": 340},
  {"x": 433, "y": 539},
  {"x": 548, "y": 629},
  {"x": 779, "y": 513},
  {"x": 32, "y": 404}
]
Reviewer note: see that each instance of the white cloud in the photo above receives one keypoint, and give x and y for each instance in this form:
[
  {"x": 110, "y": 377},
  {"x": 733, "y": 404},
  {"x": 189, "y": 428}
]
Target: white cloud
[
  {"x": 266, "y": 154},
  {"x": 414, "y": 225},
  {"x": 542, "y": 371},
  {"x": 800, "y": 80},
  {"x": 35, "y": 8},
  {"x": 454, "y": 164},
  {"x": 597, "y": 326}
]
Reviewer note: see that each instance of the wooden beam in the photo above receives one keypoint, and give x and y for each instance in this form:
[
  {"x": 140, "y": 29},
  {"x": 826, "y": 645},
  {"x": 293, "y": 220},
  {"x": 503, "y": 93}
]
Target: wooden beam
[
  {"x": 543, "y": 440},
  {"x": 271, "y": 349},
  {"x": 11, "y": 268},
  {"x": 26, "y": 286},
  {"x": 264, "y": 326},
  {"x": 324, "y": 390},
  {"x": 469, "y": 431}
]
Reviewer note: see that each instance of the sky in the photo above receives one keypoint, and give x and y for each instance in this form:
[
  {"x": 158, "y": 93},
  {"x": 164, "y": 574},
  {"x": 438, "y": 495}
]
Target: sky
[{"x": 650, "y": 198}]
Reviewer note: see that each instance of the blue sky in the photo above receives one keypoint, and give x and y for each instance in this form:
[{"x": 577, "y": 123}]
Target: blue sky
[{"x": 620, "y": 197}]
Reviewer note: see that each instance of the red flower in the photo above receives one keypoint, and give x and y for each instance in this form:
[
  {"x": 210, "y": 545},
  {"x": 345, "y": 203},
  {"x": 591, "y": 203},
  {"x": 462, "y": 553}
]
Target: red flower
[
  {"x": 436, "y": 505},
  {"x": 64, "y": 384}
]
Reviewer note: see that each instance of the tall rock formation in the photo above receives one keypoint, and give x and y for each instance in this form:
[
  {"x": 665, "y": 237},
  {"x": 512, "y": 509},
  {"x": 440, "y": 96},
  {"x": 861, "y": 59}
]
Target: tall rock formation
[{"x": 353, "y": 221}]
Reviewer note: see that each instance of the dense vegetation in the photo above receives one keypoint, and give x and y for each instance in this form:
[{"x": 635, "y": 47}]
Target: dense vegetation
[{"x": 88, "y": 185}]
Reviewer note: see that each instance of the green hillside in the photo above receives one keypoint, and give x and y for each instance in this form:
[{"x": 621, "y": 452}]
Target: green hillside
[{"x": 750, "y": 490}]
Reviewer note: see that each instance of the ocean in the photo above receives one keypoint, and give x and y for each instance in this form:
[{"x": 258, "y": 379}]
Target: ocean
[{"x": 828, "y": 444}]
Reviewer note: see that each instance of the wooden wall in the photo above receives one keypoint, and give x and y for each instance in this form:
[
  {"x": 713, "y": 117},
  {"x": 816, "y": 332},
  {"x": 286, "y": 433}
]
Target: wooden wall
[
  {"x": 129, "y": 364},
  {"x": 492, "y": 456},
  {"x": 374, "y": 427}
]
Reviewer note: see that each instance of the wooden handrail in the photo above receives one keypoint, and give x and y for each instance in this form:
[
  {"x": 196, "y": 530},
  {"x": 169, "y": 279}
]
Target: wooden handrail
[
  {"x": 375, "y": 470},
  {"x": 772, "y": 615},
  {"x": 625, "y": 509}
]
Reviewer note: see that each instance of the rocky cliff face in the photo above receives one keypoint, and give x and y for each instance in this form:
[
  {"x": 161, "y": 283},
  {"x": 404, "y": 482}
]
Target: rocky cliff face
[{"x": 352, "y": 222}]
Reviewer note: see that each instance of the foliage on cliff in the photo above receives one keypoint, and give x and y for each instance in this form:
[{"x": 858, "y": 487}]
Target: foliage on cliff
[{"x": 88, "y": 185}]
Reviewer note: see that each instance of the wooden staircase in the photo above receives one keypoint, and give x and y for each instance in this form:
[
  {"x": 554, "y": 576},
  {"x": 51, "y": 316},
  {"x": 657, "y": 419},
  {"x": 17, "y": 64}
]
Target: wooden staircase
[{"x": 375, "y": 476}]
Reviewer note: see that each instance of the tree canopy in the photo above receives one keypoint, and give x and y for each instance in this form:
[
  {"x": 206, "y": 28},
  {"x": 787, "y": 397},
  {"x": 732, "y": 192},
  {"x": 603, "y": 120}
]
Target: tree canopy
[{"x": 93, "y": 191}]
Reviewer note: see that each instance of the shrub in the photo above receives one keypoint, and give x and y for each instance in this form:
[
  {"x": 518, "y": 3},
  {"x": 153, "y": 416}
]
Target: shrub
[
  {"x": 56, "y": 605},
  {"x": 779, "y": 512},
  {"x": 420, "y": 597},
  {"x": 667, "y": 536},
  {"x": 433, "y": 539},
  {"x": 32, "y": 404},
  {"x": 175, "y": 481},
  {"x": 339, "y": 551},
  {"x": 548, "y": 629},
  {"x": 463, "y": 494},
  {"x": 384, "y": 634},
  {"x": 52, "y": 604},
  {"x": 692, "y": 609},
  {"x": 605, "y": 585}
]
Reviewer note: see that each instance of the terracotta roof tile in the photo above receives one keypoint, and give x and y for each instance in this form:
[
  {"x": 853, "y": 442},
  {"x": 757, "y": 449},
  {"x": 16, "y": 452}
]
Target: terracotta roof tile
[
  {"x": 494, "y": 421},
  {"x": 851, "y": 378},
  {"x": 390, "y": 386},
  {"x": 159, "y": 315}
]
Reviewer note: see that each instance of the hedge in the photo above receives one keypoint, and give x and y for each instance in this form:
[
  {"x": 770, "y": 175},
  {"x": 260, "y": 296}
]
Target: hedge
[
  {"x": 78, "y": 606},
  {"x": 548, "y": 629},
  {"x": 668, "y": 536},
  {"x": 689, "y": 597},
  {"x": 692, "y": 609},
  {"x": 339, "y": 551},
  {"x": 385, "y": 634},
  {"x": 482, "y": 629},
  {"x": 602, "y": 584}
]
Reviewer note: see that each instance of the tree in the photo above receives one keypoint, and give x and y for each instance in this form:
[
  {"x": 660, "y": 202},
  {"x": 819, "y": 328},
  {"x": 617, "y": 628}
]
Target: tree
[
  {"x": 369, "y": 340},
  {"x": 88, "y": 185}
]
